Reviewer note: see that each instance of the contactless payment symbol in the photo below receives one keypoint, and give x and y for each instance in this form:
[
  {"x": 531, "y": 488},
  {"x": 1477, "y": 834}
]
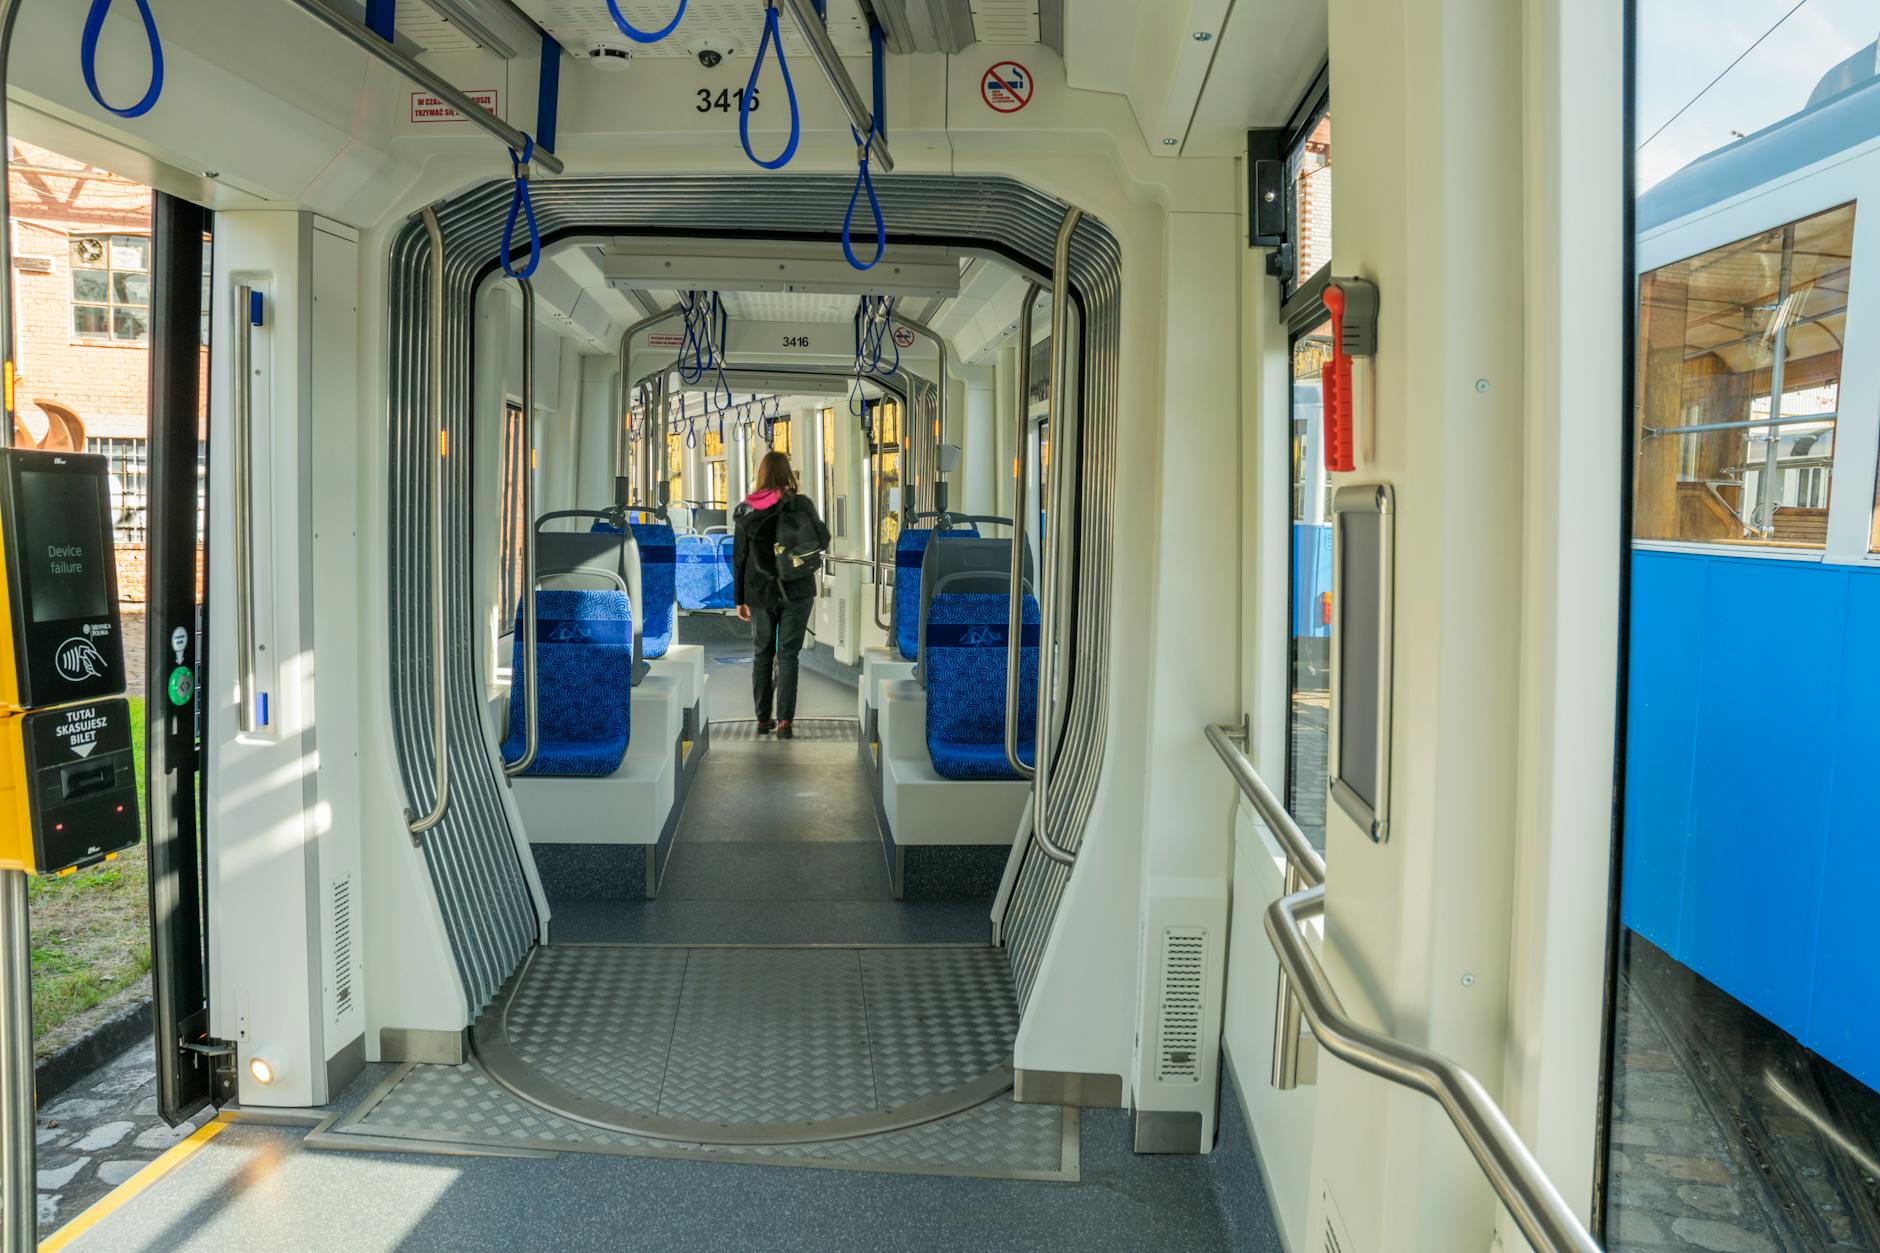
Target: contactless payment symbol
[
  {"x": 1006, "y": 87},
  {"x": 78, "y": 658}
]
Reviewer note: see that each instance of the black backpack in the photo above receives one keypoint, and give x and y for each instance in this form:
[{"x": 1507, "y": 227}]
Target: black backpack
[{"x": 795, "y": 544}]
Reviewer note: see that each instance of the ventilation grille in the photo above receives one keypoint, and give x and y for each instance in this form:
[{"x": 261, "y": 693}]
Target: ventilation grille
[
  {"x": 342, "y": 947},
  {"x": 1184, "y": 970},
  {"x": 842, "y": 621},
  {"x": 1005, "y": 21}
]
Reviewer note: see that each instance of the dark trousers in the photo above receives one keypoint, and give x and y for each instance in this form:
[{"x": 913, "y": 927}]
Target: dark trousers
[{"x": 778, "y": 635}]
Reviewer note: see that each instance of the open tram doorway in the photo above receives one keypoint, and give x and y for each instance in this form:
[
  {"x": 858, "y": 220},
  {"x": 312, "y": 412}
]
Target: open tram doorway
[{"x": 1744, "y": 1083}]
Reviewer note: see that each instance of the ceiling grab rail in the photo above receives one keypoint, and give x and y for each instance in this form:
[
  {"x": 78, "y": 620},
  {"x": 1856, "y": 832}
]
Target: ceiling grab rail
[
  {"x": 1539, "y": 1210},
  {"x": 1051, "y": 585},
  {"x": 531, "y": 663},
  {"x": 816, "y": 35},
  {"x": 331, "y": 17},
  {"x": 434, "y": 369},
  {"x": 1014, "y": 614}
]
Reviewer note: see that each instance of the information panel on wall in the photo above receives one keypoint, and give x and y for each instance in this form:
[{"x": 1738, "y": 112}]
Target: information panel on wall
[{"x": 1363, "y": 575}]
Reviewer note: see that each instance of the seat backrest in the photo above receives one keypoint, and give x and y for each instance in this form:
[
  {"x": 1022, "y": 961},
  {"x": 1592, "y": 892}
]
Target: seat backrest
[
  {"x": 584, "y": 663},
  {"x": 601, "y": 553},
  {"x": 909, "y": 552},
  {"x": 963, "y": 656},
  {"x": 657, "y": 553},
  {"x": 982, "y": 565},
  {"x": 703, "y": 572}
]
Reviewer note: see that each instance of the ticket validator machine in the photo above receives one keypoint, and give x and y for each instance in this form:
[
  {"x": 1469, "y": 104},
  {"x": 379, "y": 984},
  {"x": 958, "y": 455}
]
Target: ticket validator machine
[{"x": 68, "y": 775}]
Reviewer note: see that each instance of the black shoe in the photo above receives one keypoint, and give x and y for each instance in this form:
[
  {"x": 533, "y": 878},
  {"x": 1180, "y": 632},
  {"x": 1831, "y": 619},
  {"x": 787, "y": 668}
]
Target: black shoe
[
  {"x": 763, "y": 726},
  {"x": 784, "y": 732}
]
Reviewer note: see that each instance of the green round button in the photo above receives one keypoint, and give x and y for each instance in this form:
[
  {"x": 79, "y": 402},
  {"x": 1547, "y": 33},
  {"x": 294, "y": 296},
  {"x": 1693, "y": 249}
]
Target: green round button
[{"x": 182, "y": 685}]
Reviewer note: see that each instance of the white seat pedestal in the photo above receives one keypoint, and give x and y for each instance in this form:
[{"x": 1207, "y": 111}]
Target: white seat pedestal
[
  {"x": 629, "y": 806},
  {"x": 685, "y": 665},
  {"x": 880, "y": 666},
  {"x": 921, "y": 806}
]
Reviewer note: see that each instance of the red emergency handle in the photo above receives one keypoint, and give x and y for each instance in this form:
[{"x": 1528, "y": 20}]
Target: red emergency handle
[{"x": 1341, "y": 447}]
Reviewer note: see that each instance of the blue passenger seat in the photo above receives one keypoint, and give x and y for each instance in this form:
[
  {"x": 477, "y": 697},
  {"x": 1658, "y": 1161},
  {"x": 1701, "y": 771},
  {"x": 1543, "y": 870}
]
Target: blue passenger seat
[
  {"x": 585, "y": 660},
  {"x": 658, "y": 551},
  {"x": 702, "y": 572},
  {"x": 909, "y": 551},
  {"x": 963, "y": 660}
]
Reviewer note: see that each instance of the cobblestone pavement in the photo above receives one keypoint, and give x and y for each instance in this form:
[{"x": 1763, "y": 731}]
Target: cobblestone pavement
[
  {"x": 100, "y": 1132},
  {"x": 1727, "y": 1136}
]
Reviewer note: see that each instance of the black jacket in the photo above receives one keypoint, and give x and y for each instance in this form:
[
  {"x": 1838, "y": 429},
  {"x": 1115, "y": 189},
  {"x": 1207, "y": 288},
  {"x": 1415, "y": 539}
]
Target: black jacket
[{"x": 759, "y": 589}]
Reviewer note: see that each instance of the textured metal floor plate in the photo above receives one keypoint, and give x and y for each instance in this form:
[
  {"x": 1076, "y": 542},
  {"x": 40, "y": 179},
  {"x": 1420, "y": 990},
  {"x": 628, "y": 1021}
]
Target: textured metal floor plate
[
  {"x": 752, "y": 1045},
  {"x": 837, "y": 729},
  {"x": 456, "y": 1108}
]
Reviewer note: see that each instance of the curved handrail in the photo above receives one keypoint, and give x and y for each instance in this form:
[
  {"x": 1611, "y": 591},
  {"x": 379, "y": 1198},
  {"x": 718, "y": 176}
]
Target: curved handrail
[
  {"x": 434, "y": 363},
  {"x": 531, "y": 664},
  {"x": 1231, "y": 743},
  {"x": 1049, "y": 582},
  {"x": 650, "y": 449},
  {"x": 1014, "y": 610},
  {"x": 929, "y": 459},
  {"x": 1537, "y": 1206}
]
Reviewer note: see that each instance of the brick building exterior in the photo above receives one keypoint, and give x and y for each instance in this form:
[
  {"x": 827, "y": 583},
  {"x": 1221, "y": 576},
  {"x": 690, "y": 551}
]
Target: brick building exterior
[{"x": 81, "y": 262}]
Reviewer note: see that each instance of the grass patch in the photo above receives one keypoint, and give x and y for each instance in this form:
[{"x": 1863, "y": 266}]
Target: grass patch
[{"x": 91, "y": 930}]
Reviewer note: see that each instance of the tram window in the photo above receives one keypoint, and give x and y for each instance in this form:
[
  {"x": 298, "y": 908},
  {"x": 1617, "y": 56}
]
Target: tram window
[
  {"x": 714, "y": 442},
  {"x": 1739, "y": 389},
  {"x": 718, "y": 484},
  {"x": 887, "y": 446},
  {"x": 675, "y": 465},
  {"x": 1309, "y": 595},
  {"x": 515, "y": 522},
  {"x": 828, "y": 462},
  {"x": 780, "y": 435},
  {"x": 1309, "y": 172}
]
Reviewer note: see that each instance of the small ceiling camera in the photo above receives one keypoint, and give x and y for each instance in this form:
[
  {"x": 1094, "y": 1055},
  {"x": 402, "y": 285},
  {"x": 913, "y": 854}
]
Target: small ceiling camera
[{"x": 710, "y": 52}]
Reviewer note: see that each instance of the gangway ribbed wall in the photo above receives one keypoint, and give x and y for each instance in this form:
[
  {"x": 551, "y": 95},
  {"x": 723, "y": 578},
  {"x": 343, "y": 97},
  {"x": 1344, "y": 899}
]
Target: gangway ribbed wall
[{"x": 472, "y": 854}]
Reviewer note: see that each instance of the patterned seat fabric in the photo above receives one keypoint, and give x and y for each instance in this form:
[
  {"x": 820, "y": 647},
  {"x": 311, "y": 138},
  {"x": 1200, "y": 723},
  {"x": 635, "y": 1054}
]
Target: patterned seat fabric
[
  {"x": 909, "y": 551},
  {"x": 585, "y": 661},
  {"x": 964, "y": 664},
  {"x": 658, "y": 551},
  {"x": 702, "y": 573}
]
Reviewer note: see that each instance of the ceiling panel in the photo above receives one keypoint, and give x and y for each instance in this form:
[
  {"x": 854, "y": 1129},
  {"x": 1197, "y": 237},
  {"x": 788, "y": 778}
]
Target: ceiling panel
[
  {"x": 1006, "y": 21},
  {"x": 732, "y": 27},
  {"x": 428, "y": 28}
]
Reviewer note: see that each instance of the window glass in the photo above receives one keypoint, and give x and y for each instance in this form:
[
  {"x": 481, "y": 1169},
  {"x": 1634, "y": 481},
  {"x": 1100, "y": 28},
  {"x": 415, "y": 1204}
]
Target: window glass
[
  {"x": 675, "y": 465},
  {"x": 828, "y": 462},
  {"x": 111, "y": 287},
  {"x": 1310, "y": 592},
  {"x": 1739, "y": 387},
  {"x": 719, "y": 489},
  {"x": 1309, "y": 172},
  {"x": 514, "y": 523},
  {"x": 714, "y": 442},
  {"x": 780, "y": 435}
]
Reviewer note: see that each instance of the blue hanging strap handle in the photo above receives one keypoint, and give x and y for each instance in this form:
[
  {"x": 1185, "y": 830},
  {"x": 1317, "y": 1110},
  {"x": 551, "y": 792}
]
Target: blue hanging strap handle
[
  {"x": 772, "y": 38},
  {"x": 864, "y": 181},
  {"x": 88, "y": 58},
  {"x": 639, "y": 36},
  {"x": 521, "y": 206}
]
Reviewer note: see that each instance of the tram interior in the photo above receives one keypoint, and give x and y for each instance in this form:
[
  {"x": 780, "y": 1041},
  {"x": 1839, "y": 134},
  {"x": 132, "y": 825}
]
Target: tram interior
[{"x": 1247, "y": 787}]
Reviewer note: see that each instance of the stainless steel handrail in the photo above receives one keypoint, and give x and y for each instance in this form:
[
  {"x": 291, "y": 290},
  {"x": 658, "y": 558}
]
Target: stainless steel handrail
[
  {"x": 1537, "y": 1206},
  {"x": 531, "y": 663},
  {"x": 816, "y": 35},
  {"x": 1231, "y": 743},
  {"x": 1051, "y": 586},
  {"x": 929, "y": 461},
  {"x": 426, "y": 78},
  {"x": 1014, "y": 612},
  {"x": 440, "y": 724},
  {"x": 647, "y": 447},
  {"x": 241, "y": 538},
  {"x": 878, "y": 501}
]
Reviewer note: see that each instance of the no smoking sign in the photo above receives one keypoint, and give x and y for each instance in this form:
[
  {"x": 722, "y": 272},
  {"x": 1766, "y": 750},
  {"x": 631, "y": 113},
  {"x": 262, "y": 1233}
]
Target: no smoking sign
[{"x": 1006, "y": 87}]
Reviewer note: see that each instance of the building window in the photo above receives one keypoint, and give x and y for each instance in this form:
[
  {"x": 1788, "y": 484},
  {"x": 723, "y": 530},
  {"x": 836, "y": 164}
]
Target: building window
[
  {"x": 111, "y": 287},
  {"x": 1740, "y": 385},
  {"x": 515, "y": 521}
]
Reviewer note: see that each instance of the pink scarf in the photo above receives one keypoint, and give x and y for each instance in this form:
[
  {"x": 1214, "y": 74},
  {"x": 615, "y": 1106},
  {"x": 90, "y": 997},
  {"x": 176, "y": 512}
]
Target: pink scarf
[{"x": 763, "y": 500}]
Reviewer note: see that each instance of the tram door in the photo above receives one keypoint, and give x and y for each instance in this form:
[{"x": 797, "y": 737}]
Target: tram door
[{"x": 177, "y": 647}]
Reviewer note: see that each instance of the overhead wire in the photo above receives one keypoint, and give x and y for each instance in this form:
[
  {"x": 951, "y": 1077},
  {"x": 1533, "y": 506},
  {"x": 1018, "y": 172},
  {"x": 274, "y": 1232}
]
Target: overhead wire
[{"x": 1726, "y": 69}]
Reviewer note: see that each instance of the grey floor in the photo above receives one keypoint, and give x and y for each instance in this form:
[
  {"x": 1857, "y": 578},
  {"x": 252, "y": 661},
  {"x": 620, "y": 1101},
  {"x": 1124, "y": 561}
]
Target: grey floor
[
  {"x": 777, "y": 845},
  {"x": 259, "y": 1187}
]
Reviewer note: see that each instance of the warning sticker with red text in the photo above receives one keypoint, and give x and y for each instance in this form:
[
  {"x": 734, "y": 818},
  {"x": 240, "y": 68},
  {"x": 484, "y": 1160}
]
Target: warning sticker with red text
[{"x": 428, "y": 108}]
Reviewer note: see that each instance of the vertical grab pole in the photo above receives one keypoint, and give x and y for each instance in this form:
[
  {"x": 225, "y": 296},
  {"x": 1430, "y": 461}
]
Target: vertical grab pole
[
  {"x": 531, "y": 707},
  {"x": 242, "y": 537},
  {"x": 1049, "y": 477},
  {"x": 18, "y": 1150},
  {"x": 440, "y": 726},
  {"x": 881, "y": 499},
  {"x": 930, "y": 465},
  {"x": 1014, "y": 616}
]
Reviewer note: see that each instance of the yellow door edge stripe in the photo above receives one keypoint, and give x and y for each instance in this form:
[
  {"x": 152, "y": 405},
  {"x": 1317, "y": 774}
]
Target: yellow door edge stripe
[{"x": 121, "y": 1195}]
